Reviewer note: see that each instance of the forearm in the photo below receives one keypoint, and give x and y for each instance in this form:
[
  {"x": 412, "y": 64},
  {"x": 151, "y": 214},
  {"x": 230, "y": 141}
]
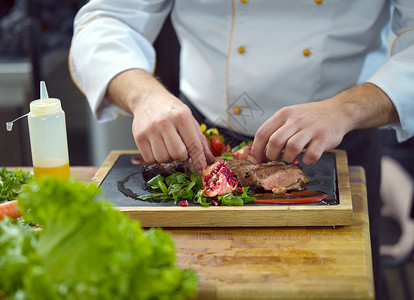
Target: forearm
[
  {"x": 365, "y": 106},
  {"x": 130, "y": 89}
]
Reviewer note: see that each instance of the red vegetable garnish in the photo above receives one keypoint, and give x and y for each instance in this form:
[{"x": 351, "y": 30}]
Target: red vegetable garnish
[
  {"x": 243, "y": 153},
  {"x": 289, "y": 201},
  {"x": 215, "y": 141},
  {"x": 218, "y": 180},
  {"x": 10, "y": 209},
  {"x": 293, "y": 197},
  {"x": 217, "y": 144},
  {"x": 227, "y": 149},
  {"x": 215, "y": 203}
]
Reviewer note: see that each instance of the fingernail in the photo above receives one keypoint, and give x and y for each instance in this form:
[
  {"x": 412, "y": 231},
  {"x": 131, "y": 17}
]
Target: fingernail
[{"x": 254, "y": 161}]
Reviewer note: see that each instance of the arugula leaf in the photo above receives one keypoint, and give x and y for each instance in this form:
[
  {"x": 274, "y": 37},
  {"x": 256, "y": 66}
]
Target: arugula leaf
[
  {"x": 176, "y": 186},
  {"x": 158, "y": 183},
  {"x": 196, "y": 178},
  {"x": 202, "y": 199},
  {"x": 85, "y": 250},
  {"x": 234, "y": 199},
  {"x": 230, "y": 200}
]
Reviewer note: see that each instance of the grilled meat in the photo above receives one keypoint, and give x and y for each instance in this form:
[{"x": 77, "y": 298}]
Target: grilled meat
[
  {"x": 149, "y": 171},
  {"x": 271, "y": 176}
]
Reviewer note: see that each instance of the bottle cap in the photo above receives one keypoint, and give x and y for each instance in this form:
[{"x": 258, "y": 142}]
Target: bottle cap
[{"x": 44, "y": 105}]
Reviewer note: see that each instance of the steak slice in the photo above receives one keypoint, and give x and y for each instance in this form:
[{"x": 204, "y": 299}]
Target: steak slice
[{"x": 271, "y": 176}]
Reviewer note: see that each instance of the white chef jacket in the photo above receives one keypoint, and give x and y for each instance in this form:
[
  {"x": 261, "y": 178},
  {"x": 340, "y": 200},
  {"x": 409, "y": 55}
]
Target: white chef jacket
[{"x": 242, "y": 60}]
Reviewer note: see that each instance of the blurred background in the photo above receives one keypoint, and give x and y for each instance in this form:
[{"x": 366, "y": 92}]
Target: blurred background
[{"x": 35, "y": 39}]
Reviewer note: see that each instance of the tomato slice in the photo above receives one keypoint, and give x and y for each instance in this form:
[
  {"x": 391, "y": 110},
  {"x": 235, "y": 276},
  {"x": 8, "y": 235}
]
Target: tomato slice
[
  {"x": 213, "y": 151},
  {"x": 217, "y": 144},
  {"x": 227, "y": 149}
]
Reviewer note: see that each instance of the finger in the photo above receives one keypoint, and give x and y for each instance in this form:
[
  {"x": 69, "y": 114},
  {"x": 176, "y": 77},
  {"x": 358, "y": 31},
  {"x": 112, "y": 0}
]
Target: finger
[
  {"x": 265, "y": 159},
  {"x": 158, "y": 148},
  {"x": 174, "y": 144},
  {"x": 262, "y": 136},
  {"x": 295, "y": 145},
  {"x": 278, "y": 140},
  {"x": 314, "y": 152},
  {"x": 190, "y": 137},
  {"x": 209, "y": 156},
  {"x": 207, "y": 152},
  {"x": 259, "y": 143},
  {"x": 143, "y": 145},
  {"x": 144, "y": 148}
]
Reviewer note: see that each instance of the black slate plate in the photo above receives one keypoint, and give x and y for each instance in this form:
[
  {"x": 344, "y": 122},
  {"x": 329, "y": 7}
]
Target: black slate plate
[{"x": 124, "y": 183}]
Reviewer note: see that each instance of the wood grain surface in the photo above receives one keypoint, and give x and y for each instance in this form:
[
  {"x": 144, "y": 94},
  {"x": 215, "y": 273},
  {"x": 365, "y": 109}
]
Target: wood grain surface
[
  {"x": 281, "y": 262},
  {"x": 247, "y": 216}
]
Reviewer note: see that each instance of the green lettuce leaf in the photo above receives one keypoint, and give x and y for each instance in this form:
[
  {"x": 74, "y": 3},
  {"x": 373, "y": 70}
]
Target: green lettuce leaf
[{"x": 85, "y": 250}]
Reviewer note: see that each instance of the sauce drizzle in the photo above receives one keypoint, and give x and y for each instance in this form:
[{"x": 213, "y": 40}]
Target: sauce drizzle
[{"x": 292, "y": 197}]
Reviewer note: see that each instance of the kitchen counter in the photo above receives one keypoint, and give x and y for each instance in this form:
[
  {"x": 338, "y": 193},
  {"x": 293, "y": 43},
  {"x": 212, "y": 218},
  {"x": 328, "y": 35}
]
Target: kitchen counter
[{"x": 279, "y": 262}]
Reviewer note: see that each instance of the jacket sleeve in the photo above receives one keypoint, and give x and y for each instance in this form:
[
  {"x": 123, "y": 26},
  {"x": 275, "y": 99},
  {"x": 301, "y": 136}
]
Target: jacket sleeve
[
  {"x": 396, "y": 76},
  {"x": 112, "y": 36}
]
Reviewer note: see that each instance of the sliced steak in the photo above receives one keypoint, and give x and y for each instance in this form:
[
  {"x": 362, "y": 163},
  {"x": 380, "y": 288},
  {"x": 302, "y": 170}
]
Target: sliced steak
[
  {"x": 271, "y": 176},
  {"x": 280, "y": 179}
]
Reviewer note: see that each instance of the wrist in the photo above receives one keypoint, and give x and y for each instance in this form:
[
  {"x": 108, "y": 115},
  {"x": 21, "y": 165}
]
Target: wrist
[
  {"x": 365, "y": 106},
  {"x": 133, "y": 88}
]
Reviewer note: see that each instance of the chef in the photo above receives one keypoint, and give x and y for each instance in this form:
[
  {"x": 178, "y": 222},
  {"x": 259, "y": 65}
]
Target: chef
[{"x": 314, "y": 74}]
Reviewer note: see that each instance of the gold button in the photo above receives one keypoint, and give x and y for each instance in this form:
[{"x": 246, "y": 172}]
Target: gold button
[
  {"x": 318, "y": 1},
  {"x": 241, "y": 49},
  {"x": 237, "y": 110},
  {"x": 306, "y": 52},
  {"x": 244, "y": 1}
]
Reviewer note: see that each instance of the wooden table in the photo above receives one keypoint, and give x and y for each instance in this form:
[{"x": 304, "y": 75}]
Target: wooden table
[{"x": 282, "y": 262}]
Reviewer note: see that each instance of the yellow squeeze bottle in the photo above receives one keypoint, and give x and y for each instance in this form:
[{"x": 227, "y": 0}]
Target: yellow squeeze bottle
[{"x": 48, "y": 141}]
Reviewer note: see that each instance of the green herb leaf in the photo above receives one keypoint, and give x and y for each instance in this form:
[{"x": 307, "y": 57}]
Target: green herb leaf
[
  {"x": 202, "y": 199},
  {"x": 227, "y": 156},
  {"x": 234, "y": 199},
  {"x": 175, "y": 187},
  {"x": 11, "y": 182}
]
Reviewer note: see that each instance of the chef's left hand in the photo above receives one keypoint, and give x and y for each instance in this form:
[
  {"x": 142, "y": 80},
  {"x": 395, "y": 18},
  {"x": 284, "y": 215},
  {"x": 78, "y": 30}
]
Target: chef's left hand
[{"x": 320, "y": 126}]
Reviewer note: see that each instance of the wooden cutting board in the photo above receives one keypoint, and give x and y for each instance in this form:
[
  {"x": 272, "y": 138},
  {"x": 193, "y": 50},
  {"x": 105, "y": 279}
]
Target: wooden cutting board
[{"x": 117, "y": 171}]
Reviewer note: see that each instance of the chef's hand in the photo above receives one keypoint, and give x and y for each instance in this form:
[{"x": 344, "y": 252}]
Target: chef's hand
[
  {"x": 320, "y": 126},
  {"x": 163, "y": 127}
]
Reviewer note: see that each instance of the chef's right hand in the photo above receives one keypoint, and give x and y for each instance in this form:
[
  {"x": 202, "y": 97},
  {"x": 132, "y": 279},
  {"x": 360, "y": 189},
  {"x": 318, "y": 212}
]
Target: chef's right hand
[{"x": 163, "y": 127}]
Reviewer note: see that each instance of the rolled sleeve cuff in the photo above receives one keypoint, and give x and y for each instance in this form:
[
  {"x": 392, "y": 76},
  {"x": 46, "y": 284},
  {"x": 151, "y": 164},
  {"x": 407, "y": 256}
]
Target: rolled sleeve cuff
[
  {"x": 99, "y": 55},
  {"x": 396, "y": 79}
]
